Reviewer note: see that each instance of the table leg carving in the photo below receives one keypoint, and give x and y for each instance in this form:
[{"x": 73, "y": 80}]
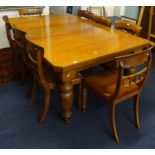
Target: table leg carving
[{"x": 66, "y": 95}]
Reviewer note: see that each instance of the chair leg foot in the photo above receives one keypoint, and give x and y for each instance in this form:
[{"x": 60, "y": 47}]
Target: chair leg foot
[
  {"x": 136, "y": 110},
  {"x": 46, "y": 106},
  {"x": 113, "y": 122}
]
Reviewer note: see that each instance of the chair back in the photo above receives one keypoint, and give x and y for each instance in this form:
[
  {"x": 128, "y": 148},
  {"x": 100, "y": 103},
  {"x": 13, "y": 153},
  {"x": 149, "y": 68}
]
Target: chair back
[
  {"x": 85, "y": 14},
  {"x": 128, "y": 27},
  {"x": 21, "y": 44},
  {"x": 35, "y": 56},
  {"x": 102, "y": 20},
  {"x": 9, "y": 31},
  {"x": 140, "y": 62},
  {"x": 32, "y": 11}
]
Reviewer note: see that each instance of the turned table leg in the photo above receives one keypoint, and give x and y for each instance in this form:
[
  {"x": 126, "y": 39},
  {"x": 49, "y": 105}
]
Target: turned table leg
[{"x": 66, "y": 95}]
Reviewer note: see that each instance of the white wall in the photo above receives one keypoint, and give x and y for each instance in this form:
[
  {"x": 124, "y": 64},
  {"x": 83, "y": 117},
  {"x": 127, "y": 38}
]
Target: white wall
[
  {"x": 122, "y": 10},
  {"x": 110, "y": 10},
  {"x": 11, "y": 13}
]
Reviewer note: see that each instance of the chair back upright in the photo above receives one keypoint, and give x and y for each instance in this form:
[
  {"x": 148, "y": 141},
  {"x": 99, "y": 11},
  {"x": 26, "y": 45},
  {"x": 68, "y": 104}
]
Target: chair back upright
[
  {"x": 32, "y": 11},
  {"x": 102, "y": 20},
  {"x": 128, "y": 27},
  {"x": 9, "y": 31},
  {"x": 85, "y": 14},
  {"x": 21, "y": 44},
  {"x": 35, "y": 59},
  {"x": 140, "y": 62}
]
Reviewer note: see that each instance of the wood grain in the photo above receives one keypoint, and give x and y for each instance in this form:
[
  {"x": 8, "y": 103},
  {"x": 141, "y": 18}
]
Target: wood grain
[{"x": 70, "y": 42}]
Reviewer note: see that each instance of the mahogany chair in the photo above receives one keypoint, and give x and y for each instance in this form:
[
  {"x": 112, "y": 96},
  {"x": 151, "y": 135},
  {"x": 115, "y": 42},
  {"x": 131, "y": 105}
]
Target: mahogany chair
[
  {"x": 11, "y": 40},
  {"x": 128, "y": 27},
  {"x": 21, "y": 53},
  {"x": 102, "y": 20},
  {"x": 32, "y": 11},
  {"x": 114, "y": 86},
  {"x": 45, "y": 76},
  {"x": 22, "y": 59},
  {"x": 86, "y": 14},
  {"x": 125, "y": 27}
]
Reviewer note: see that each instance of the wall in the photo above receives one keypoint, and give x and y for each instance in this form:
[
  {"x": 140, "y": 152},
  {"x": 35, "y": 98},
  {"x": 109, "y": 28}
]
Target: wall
[
  {"x": 10, "y": 13},
  {"x": 109, "y": 9},
  {"x": 132, "y": 14},
  {"x": 57, "y": 9}
]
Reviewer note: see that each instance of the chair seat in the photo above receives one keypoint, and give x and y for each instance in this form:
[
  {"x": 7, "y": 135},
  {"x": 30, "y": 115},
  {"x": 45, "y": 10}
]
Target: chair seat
[{"x": 105, "y": 83}]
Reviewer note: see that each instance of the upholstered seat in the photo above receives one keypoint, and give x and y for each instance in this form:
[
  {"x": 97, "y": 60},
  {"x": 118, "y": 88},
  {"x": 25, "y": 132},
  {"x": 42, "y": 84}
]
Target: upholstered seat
[{"x": 105, "y": 85}]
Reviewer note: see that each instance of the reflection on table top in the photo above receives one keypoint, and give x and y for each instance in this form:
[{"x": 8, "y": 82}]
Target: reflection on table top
[{"x": 69, "y": 40}]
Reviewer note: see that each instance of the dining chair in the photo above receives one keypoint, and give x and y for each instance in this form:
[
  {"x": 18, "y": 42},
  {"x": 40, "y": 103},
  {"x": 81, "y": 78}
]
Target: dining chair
[
  {"x": 125, "y": 27},
  {"x": 44, "y": 75},
  {"x": 10, "y": 36},
  {"x": 114, "y": 86},
  {"x": 102, "y": 20},
  {"x": 85, "y": 14},
  {"x": 30, "y": 11},
  {"x": 128, "y": 27},
  {"x": 22, "y": 60}
]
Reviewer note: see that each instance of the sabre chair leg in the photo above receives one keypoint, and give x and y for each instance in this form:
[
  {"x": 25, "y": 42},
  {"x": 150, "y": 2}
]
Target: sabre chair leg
[
  {"x": 113, "y": 121},
  {"x": 46, "y": 106},
  {"x": 136, "y": 110}
]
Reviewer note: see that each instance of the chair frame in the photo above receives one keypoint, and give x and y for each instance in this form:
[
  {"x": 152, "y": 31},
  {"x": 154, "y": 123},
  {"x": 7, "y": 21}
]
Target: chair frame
[
  {"x": 38, "y": 75},
  {"x": 137, "y": 78},
  {"x": 128, "y": 26},
  {"x": 102, "y": 20},
  {"x": 86, "y": 14},
  {"x": 10, "y": 36}
]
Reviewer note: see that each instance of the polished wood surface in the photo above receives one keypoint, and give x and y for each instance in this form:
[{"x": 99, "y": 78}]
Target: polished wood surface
[
  {"x": 45, "y": 76},
  {"x": 125, "y": 27},
  {"x": 114, "y": 86},
  {"x": 102, "y": 20},
  {"x": 128, "y": 27},
  {"x": 85, "y": 14},
  {"x": 72, "y": 42}
]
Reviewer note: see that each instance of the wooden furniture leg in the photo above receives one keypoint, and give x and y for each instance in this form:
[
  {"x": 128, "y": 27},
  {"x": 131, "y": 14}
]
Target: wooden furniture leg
[
  {"x": 83, "y": 97},
  {"x": 136, "y": 110},
  {"x": 113, "y": 121},
  {"x": 66, "y": 95},
  {"x": 46, "y": 105}
]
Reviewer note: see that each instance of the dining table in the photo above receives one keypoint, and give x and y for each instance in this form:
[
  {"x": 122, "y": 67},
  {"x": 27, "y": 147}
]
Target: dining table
[{"x": 72, "y": 44}]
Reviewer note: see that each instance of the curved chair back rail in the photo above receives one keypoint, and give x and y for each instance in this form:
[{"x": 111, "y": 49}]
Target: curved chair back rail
[
  {"x": 129, "y": 27},
  {"x": 32, "y": 11},
  {"x": 21, "y": 44},
  {"x": 85, "y": 14},
  {"x": 133, "y": 61},
  {"x": 35, "y": 56},
  {"x": 102, "y": 20},
  {"x": 9, "y": 30}
]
